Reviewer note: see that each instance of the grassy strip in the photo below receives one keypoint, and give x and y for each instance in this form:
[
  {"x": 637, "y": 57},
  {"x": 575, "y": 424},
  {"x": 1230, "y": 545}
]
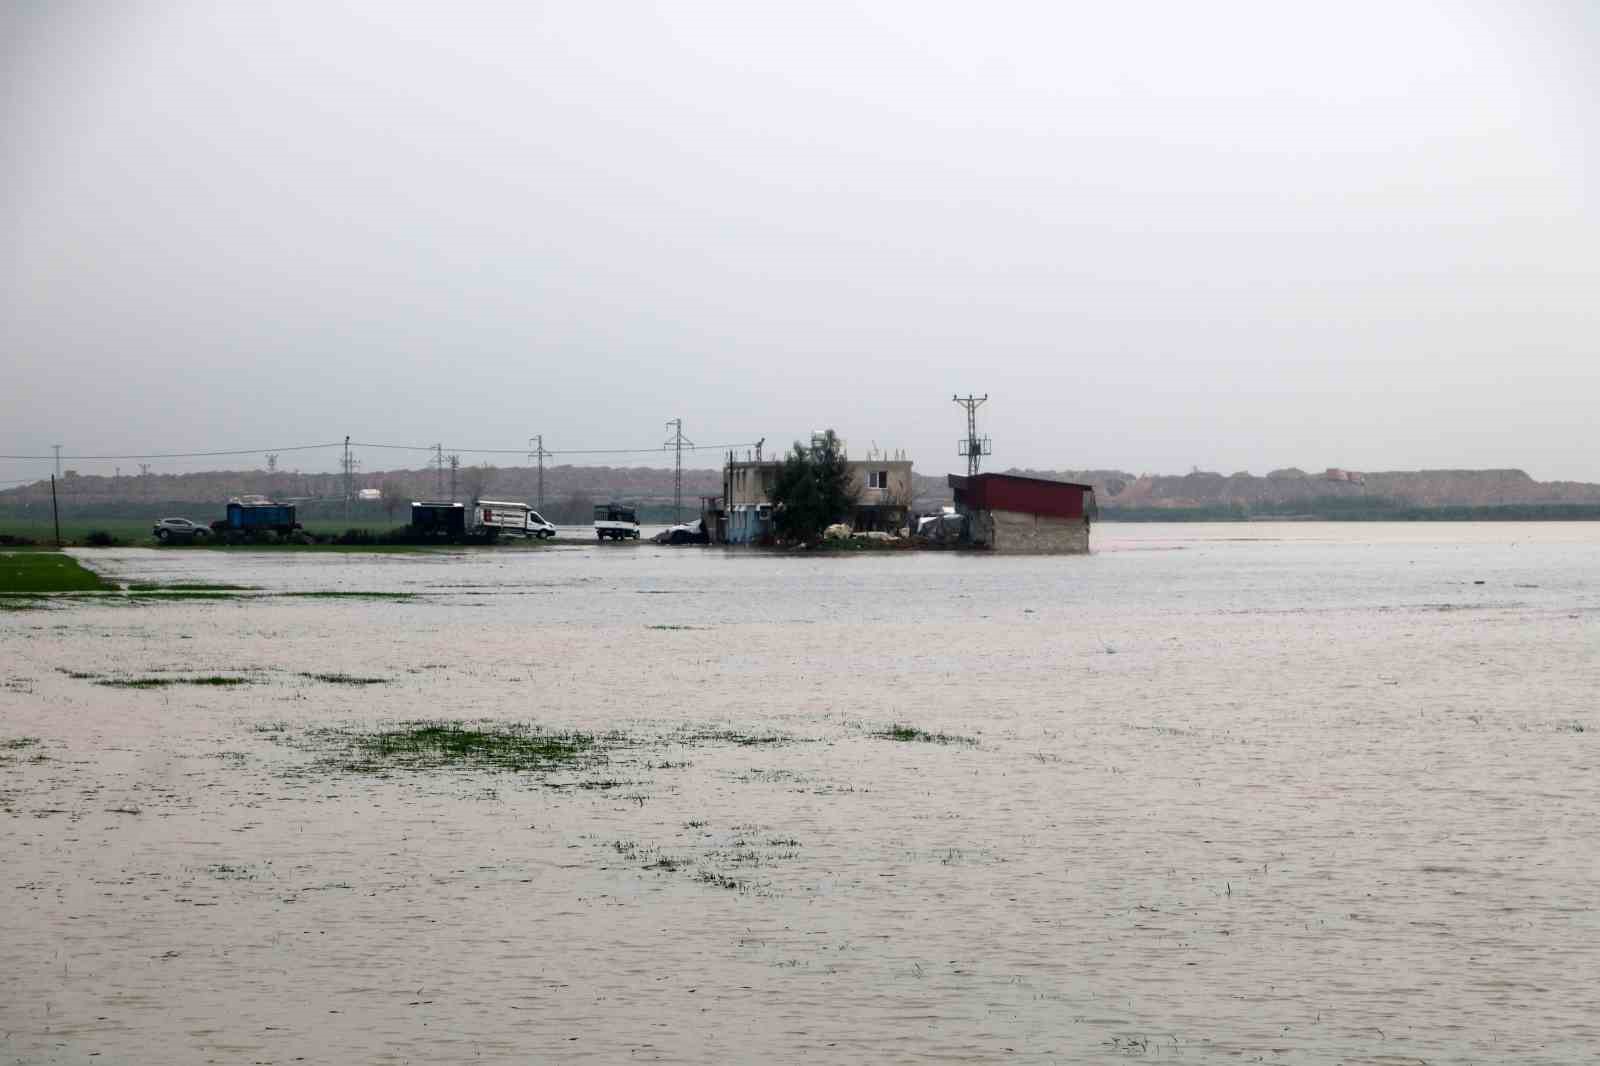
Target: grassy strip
[
  {"x": 25, "y": 573},
  {"x": 911, "y": 733}
]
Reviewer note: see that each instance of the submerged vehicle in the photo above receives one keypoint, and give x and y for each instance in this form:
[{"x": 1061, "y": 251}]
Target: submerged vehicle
[
  {"x": 684, "y": 533},
  {"x": 617, "y": 521}
]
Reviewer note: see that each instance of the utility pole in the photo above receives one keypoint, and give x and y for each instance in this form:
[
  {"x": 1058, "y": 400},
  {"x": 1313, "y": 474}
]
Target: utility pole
[
  {"x": 348, "y": 469},
  {"x": 438, "y": 467},
  {"x": 55, "y": 508},
  {"x": 536, "y": 444},
  {"x": 974, "y": 447},
  {"x": 57, "y": 447},
  {"x": 455, "y": 464},
  {"x": 677, "y": 442}
]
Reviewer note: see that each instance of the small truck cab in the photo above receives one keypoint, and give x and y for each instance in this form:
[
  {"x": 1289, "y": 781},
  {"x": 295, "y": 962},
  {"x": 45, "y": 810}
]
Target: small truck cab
[{"x": 616, "y": 521}]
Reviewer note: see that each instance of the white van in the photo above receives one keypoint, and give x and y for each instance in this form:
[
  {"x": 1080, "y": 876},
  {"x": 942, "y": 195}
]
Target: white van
[
  {"x": 539, "y": 526},
  {"x": 493, "y": 517}
]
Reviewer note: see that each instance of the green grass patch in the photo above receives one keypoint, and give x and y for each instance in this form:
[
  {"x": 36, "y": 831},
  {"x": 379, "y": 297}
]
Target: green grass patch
[
  {"x": 452, "y": 745},
  {"x": 18, "y": 743},
  {"x": 27, "y": 573},
  {"x": 346, "y": 679},
  {"x": 912, "y": 734}
]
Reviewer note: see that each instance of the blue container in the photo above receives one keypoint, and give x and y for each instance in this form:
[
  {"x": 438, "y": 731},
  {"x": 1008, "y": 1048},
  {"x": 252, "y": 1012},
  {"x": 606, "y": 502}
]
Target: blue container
[{"x": 252, "y": 517}]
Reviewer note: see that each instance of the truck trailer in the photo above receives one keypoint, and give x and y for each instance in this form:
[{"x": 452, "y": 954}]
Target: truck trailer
[
  {"x": 436, "y": 519},
  {"x": 252, "y": 515}
]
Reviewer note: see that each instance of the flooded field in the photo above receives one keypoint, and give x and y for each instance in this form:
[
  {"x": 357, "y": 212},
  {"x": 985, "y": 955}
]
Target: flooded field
[{"x": 1282, "y": 793}]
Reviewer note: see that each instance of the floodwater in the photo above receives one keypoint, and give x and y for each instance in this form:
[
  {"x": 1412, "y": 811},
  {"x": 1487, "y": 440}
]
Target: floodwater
[{"x": 1282, "y": 793}]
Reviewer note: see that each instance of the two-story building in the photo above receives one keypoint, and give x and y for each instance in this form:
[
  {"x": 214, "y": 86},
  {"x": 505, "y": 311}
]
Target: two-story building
[{"x": 882, "y": 489}]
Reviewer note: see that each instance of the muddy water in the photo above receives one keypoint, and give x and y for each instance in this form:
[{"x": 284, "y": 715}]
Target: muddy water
[{"x": 1291, "y": 793}]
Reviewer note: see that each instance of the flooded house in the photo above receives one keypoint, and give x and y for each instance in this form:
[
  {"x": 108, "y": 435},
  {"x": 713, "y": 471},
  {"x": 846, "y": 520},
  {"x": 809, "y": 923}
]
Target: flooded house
[
  {"x": 1025, "y": 515},
  {"x": 882, "y": 488}
]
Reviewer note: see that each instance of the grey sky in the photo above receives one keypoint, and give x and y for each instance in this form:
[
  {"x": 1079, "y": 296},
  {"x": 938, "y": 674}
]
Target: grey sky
[{"x": 1233, "y": 235}]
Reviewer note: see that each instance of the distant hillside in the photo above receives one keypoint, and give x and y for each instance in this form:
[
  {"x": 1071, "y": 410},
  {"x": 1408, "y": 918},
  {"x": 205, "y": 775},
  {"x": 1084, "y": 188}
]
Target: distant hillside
[
  {"x": 1280, "y": 491},
  {"x": 570, "y": 491}
]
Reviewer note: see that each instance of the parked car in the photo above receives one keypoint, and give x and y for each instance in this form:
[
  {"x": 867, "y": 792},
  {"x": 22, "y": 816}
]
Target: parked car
[
  {"x": 684, "y": 533},
  {"x": 540, "y": 526},
  {"x": 169, "y": 529}
]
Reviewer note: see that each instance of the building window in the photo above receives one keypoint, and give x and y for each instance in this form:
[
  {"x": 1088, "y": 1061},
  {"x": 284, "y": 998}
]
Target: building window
[{"x": 877, "y": 479}]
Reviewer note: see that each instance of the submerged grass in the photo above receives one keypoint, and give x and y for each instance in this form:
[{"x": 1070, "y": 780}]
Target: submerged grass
[
  {"x": 729, "y": 736},
  {"x": 329, "y": 594},
  {"x": 436, "y": 745},
  {"x": 911, "y": 733},
  {"x": 162, "y": 682},
  {"x": 345, "y": 679}
]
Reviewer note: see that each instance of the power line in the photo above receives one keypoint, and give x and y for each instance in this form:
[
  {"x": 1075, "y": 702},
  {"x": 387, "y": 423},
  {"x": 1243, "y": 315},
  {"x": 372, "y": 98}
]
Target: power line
[
  {"x": 687, "y": 446},
  {"x": 177, "y": 455}
]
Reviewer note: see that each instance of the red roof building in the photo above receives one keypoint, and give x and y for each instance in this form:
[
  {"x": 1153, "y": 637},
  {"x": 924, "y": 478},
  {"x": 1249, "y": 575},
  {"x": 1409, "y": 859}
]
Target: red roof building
[{"x": 1010, "y": 513}]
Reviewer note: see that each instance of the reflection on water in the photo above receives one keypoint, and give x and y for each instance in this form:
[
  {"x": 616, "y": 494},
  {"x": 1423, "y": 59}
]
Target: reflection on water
[{"x": 1295, "y": 792}]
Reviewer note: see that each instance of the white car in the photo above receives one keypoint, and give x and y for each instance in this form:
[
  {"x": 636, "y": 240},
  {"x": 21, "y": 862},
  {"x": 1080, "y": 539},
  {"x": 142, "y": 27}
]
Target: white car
[
  {"x": 540, "y": 526},
  {"x": 179, "y": 529}
]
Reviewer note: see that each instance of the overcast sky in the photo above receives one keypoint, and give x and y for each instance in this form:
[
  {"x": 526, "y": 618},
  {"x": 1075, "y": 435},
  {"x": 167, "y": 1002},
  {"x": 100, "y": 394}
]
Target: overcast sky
[{"x": 1158, "y": 235}]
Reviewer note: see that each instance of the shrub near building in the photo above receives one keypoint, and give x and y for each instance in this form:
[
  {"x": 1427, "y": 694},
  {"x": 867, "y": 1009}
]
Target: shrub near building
[{"x": 813, "y": 490}]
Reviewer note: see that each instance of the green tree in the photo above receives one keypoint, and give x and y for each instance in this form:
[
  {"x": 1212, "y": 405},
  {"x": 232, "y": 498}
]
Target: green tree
[{"x": 813, "y": 490}]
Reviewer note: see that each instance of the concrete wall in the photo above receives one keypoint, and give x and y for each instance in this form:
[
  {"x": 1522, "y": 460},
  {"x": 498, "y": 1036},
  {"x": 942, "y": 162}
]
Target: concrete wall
[
  {"x": 1011, "y": 532},
  {"x": 897, "y": 494}
]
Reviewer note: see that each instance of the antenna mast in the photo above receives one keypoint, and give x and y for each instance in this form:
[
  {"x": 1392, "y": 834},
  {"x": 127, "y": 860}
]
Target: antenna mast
[{"x": 974, "y": 447}]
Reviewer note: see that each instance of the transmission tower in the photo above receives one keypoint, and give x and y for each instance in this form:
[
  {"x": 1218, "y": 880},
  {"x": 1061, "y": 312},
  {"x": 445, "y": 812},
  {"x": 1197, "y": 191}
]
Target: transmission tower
[
  {"x": 537, "y": 452},
  {"x": 57, "y": 447},
  {"x": 437, "y": 462},
  {"x": 677, "y": 443},
  {"x": 272, "y": 462},
  {"x": 455, "y": 464},
  {"x": 974, "y": 447}
]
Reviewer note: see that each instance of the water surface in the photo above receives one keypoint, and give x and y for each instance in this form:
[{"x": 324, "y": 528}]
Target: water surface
[{"x": 1293, "y": 792}]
